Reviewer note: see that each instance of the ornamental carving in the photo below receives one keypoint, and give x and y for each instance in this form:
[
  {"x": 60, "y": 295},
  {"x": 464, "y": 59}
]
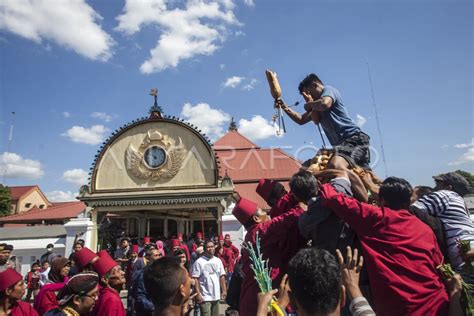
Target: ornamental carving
[
  {"x": 163, "y": 201},
  {"x": 159, "y": 156}
]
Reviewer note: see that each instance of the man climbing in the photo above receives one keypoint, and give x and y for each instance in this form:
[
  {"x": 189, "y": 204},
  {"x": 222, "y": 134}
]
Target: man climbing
[{"x": 324, "y": 106}]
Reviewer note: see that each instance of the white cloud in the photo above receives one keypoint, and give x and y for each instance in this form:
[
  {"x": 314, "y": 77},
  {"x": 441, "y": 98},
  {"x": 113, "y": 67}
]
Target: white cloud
[
  {"x": 210, "y": 121},
  {"x": 257, "y": 128},
  {"x": 250, "y": 3},
  {"x": 76, "y": 176},
  {"x": 360, "y": 120},
  {"x": 92, "y": 136},
  {"x": 66, "y": 114},
  {"x": 471, "y": 144},
  {"x": 233, "y": 82},
  {"x": 71, "y": 24},
  {"x": 249, "y": 86},
  {"x": 199, "y": 28},
  {"x": 242, "y": 82},
  {"x": 103, "y": 116},
  {"x": 468, "y": 156},
  {"x": 20, "y": 168},
  {"x": 61, "y": 196}
]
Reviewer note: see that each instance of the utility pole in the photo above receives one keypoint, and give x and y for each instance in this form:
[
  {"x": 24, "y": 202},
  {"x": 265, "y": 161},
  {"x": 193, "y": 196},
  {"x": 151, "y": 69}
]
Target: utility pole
[
  {"x": 9, "y": 143},
  {"x": 377, "y": 119}
]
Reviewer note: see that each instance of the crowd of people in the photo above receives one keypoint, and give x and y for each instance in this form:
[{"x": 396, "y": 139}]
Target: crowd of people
[
  {"x": 89, "y": 283},
  {"x": 341, "y": 241}
]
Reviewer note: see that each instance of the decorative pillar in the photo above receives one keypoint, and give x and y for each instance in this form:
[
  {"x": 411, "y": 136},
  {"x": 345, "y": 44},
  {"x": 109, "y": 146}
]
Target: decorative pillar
[{"x": 81, "y": 225}]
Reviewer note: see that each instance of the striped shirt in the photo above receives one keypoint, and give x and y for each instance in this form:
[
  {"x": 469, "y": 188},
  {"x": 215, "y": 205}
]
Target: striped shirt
[
  {"x": 451, "y": 210},
  {"x": 360, "y": 307}
]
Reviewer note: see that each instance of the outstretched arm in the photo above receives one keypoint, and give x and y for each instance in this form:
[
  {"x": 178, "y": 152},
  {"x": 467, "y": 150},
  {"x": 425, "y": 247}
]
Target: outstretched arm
[
  {"x": 357, "y": 187},
  {"x": 360, "y": 216},
  {"x": 300, "y": 119}
]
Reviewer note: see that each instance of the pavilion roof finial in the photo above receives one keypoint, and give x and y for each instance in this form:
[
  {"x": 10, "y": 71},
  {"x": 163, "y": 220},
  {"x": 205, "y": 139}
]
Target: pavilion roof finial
[
  {"x": 232, "y": 126},
  {"x": 155, "y": 109}
]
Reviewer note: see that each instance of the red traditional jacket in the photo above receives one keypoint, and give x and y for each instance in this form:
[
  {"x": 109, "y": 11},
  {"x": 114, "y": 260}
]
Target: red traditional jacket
[
  {"x": 23, "y": 309},
  {"x": 284, "y": 204},
  {"x": 109, "y": 303},
  {"x": 401, "y": 255},
  {"x": 272, "y": 233},
  {"x": 46, "y": 298},
  {"x": 288, "y": 246}
]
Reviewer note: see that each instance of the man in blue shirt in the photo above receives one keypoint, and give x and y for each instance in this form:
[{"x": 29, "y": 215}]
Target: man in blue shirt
[{"x": 324, "y": 106}]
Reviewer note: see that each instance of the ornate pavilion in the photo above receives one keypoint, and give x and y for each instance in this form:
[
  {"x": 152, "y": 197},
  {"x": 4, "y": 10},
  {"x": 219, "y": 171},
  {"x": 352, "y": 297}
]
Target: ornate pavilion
[{"x": 155, "y": 176}]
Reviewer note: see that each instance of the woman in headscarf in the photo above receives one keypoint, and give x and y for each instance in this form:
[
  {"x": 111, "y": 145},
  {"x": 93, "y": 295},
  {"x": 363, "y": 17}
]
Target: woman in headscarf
[
  {"x": 161, "y": 248},
  {"x": 58, "y": 277}
]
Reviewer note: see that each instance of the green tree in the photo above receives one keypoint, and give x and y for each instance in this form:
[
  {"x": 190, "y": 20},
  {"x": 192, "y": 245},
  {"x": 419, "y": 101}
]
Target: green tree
[
  {"x": 5, "y": 200},
  {"x": 469, "y": 177}
]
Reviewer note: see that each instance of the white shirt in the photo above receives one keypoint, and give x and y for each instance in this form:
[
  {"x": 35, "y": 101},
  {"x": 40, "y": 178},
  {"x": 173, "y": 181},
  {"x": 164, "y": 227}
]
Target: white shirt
[
  {"x": 208, "y": 271},
  {"x": 44, "y": 276}
]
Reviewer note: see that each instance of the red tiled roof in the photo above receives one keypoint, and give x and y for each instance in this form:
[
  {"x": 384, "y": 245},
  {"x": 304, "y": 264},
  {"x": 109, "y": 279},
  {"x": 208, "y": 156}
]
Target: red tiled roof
[
  {"x": 18, "y": 192},
  {"x": 246, "y": 163},
  {"x": 59, "y": 211},
  {"x": 233, "y": 140},
  {"x": 254, "y": 164},
  {"x": 247, "y": 190}
]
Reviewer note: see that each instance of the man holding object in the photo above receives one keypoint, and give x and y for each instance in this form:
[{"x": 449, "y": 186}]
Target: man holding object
[{"x": 324, "y": 106}]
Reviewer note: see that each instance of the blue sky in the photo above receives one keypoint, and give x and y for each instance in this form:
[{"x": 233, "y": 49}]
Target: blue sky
[{"x": 75, "y": 72}]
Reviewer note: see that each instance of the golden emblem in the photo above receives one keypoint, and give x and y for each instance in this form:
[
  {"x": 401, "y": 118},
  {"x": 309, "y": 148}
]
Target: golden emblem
[{"x": 159, "y": 156}]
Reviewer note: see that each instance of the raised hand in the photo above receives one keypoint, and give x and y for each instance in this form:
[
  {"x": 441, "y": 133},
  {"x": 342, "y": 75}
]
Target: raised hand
[{"x": 351, "y": 268}]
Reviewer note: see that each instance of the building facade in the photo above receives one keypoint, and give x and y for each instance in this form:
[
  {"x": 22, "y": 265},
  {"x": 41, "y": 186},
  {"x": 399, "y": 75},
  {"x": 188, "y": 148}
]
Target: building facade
[
  {"x": 25, "y": 198},
  {"x": 156, "y": 176}
]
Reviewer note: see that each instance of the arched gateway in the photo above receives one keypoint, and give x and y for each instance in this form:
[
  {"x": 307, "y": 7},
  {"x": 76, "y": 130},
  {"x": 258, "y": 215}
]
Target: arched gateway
[{"x": 155, "y": 176}]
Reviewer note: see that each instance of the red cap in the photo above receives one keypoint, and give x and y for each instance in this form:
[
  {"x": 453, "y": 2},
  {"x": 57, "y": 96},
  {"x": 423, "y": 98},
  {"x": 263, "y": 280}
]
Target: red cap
[
  {"x": 174, "y": 243},
  {"x": 135, "y": 248},
  {"x": 264, "y": 188},
  {"x": 244, "y": 210},
  {"x": 84, "y": 256},
  {"x": 227, "y": 236},
  {"x": 8, "y": 278},
  {"x": 198, "y": 235},
  {"x": 221, "y": 237},
  {"x": 146, "y": 240},
  {"x": 104, "y": 264}
]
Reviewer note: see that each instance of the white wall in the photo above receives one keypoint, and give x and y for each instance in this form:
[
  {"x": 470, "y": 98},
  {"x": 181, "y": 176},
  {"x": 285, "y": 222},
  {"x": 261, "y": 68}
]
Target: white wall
[
  {"x": 231, "y": 226},
  {"x": 30, "y": 250}
]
